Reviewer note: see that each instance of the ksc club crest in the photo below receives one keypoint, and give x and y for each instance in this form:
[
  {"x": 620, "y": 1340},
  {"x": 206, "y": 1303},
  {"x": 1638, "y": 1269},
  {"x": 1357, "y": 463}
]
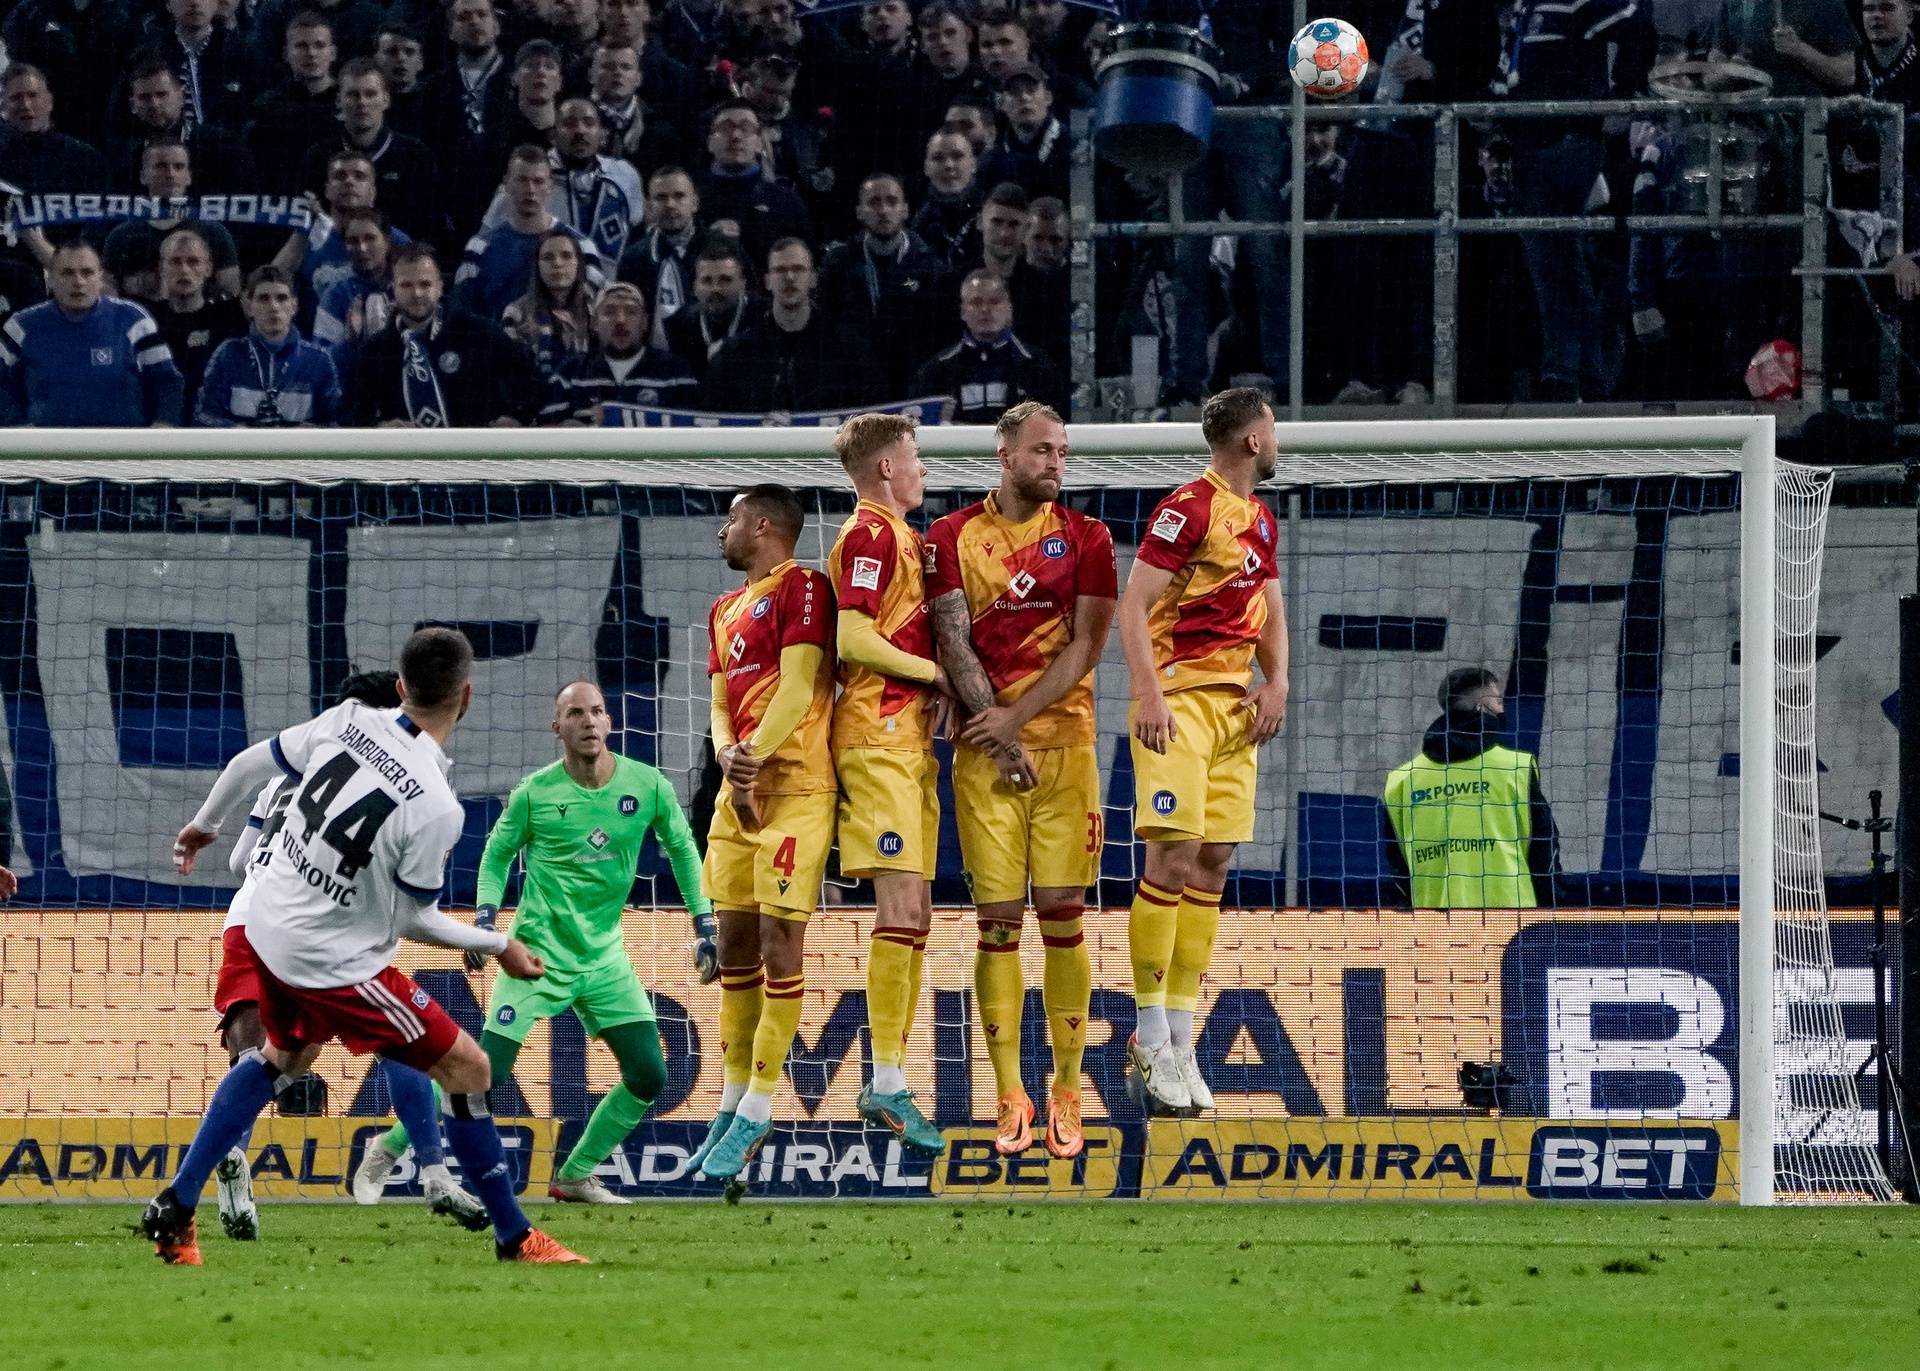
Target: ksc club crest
[{"x": 629, "y": 806}]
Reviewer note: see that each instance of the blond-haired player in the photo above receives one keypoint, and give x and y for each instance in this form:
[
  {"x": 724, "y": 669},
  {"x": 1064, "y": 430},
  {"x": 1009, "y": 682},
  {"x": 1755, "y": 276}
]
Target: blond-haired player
[
  {"x": 883, "y": 725},
  {"x": 1023, "y": 595},
  {"x": 1201, "y": 606},
  {"x": 771, "y": 667}
]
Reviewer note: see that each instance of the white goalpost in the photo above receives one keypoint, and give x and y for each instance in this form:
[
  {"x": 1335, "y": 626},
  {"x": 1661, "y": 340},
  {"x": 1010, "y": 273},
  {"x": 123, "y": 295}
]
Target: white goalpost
[{"x": 1647, "y": 588}]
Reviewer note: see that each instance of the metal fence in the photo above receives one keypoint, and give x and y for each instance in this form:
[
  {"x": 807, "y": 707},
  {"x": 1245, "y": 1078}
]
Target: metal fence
[{"x": 1806, "y": 214}]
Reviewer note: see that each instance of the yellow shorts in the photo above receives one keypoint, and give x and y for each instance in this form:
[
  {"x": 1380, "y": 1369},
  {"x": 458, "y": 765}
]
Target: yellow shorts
[
  {"x": 1203, "y": 785},
  {"x": 777, "y": 870},
  {"x": 1050, "y": 834},
  {"x": 889, "y": 810}
]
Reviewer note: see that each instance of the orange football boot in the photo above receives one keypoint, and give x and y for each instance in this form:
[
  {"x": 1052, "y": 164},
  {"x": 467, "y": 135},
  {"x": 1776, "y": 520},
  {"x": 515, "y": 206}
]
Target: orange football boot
[
  {"x": 1065, "y": 1137},
  {"x": 538, "y": 1248},
  {"x": 170, "y": 1225},
  {"x": 181, "y": 1248},
  {"x": 1015, "y": 1132}
]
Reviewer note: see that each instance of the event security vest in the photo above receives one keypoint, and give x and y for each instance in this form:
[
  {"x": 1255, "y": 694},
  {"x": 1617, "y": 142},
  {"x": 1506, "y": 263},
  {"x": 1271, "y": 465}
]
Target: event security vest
[{"x": 1464, "y": 827}]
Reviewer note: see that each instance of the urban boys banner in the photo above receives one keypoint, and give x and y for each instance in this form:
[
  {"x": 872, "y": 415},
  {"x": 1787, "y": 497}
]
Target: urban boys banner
[{"x": 49, "y": 211}]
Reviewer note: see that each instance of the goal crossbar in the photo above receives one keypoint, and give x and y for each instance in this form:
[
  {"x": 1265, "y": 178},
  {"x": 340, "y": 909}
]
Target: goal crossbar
[{"x": 706, "y": 458}]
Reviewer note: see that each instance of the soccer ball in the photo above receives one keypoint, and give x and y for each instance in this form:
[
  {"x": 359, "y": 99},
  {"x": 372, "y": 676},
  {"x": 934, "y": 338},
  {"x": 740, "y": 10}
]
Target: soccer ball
[{"x": 1328, "y": 58}]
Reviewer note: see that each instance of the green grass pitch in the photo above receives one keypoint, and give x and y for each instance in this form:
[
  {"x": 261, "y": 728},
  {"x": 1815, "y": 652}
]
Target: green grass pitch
[{"x": 858, "y": 1286}]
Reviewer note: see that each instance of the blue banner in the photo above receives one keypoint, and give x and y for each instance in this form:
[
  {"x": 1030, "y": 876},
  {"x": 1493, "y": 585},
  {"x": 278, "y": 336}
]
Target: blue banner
[{"x": 1110, "y": 8}]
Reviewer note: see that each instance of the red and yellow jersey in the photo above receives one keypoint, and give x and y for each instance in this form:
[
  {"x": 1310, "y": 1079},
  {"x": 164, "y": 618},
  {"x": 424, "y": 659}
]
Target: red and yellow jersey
[
  {"x": 1021, "y": 582},
  {"x": 875, "y": 568},
  {"x": 790, "y": 606},
  {"x": 1222, "y": 550}
]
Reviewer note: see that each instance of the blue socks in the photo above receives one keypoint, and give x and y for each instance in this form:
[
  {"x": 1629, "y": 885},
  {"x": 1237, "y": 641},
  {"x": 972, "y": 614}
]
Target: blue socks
[
  {"x": 413, "y": 1103},
  {"x": 250, "y": 1085},
  {"x": 247, "y": 1088},
  {"x": 476, "y": 1142}
]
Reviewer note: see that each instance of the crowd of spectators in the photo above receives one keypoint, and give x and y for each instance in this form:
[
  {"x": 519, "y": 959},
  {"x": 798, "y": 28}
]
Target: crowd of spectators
[
  {"x": 1550, "y": 317},
  {"x": 527, "y": 209}
]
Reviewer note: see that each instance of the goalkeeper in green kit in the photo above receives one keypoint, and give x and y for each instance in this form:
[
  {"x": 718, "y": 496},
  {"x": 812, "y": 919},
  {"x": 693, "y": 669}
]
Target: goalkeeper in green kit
[{"x": 581, "y": 823}]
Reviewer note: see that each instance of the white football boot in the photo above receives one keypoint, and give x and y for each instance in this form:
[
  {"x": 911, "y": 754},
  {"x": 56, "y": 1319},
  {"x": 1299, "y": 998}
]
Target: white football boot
[
  {"x": 446, "y": 1197},
  {"x": 370, "y": 1177},
  {"x": 1161, "y": 1082},
  {"x": 1199, "y": 1098},
  {"x": 586, "y": 1190},
  {"x": 234, "y": 1186}
]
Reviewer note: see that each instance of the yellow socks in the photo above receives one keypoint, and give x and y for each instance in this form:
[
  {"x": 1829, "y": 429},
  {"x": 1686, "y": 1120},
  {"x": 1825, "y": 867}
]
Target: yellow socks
[
  {"x": 740, "y": 1001},
  {"x": 1150, "y": 930},
  {"x": 1192, "y": 946},
  {"x": 998, "y": 991},
  {"x": 913, "y": 980},
  {"x": 890, "y": 994},
  {"x": 779, "y": 1019},
  {"x": 1068, "y": 991}
]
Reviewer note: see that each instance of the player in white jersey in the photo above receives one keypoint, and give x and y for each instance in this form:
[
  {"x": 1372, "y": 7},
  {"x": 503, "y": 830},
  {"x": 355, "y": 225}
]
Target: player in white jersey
[
  {"x": 356, "y": 863},
  {"x": 237, "y": 1000}
]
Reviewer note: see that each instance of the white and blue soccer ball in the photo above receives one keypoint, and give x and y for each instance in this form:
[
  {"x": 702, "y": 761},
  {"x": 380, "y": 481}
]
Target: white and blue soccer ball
[{"x": 1328, "y": 58}]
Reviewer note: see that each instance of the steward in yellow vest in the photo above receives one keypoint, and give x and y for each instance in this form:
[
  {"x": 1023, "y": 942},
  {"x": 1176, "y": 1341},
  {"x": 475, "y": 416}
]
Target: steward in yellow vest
[{"x": 1471, "y": 825}]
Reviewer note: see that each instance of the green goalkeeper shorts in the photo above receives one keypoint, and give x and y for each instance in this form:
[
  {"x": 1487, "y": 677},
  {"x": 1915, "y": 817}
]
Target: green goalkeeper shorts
[{"x": 603, "y": 997}]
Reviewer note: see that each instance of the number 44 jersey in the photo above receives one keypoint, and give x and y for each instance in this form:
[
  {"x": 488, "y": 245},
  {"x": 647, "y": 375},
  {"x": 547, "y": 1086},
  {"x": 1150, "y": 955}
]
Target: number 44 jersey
[{"x": 348, "y": 864}]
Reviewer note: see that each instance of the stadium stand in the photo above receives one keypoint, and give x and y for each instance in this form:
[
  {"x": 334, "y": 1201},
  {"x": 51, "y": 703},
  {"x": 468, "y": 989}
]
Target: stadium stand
[{"x": 909, "y": 143}]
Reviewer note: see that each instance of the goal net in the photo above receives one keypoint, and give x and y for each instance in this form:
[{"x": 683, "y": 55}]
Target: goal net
[{"x": 1677, "y": 1017}]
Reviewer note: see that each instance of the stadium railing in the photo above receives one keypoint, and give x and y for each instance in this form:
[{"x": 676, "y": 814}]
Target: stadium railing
[{"x": 1105, "y": 398}]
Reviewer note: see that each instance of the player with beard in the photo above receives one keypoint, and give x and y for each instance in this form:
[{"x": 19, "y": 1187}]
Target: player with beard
[
  {"x": 1023, "y": 593},
  {"x": 1202, "y": 605},
  {"x": 772, "y": 668}
]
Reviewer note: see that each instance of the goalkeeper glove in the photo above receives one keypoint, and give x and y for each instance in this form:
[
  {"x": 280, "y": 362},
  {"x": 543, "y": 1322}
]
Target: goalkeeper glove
[
  {"x": 483, "y": 918},
  {"x": 706, "y": 951}
]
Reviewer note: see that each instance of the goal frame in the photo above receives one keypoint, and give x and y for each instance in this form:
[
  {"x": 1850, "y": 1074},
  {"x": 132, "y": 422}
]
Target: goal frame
[{"x": 400, "y": 455}]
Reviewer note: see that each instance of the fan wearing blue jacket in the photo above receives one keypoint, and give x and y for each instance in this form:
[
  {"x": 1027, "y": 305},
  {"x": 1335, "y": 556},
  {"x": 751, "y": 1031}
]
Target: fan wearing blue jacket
[
  {"x": 499, "y": 260},
  {"x": 272, "y": 378},
  {"x": 86, "y": 358}
]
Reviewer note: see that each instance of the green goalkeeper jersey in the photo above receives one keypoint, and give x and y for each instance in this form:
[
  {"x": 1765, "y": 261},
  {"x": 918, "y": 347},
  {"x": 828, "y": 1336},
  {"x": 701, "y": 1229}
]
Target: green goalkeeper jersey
[{"x": 583, "y": 847}]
